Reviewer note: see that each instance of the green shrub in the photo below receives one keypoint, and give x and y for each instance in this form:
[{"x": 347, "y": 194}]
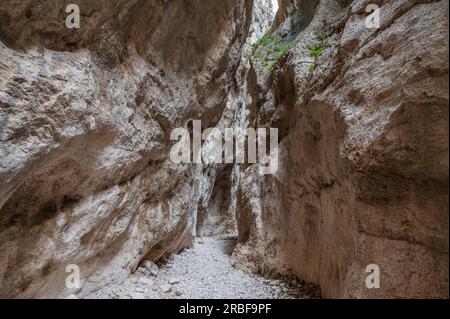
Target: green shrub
[
  {"x": 269, "y": 65},
  {"x": 261, "y": 42},
  {"x": 317, "y": 50},
  {"x": 283, "y": 49},
  {"x": 270, "y": 50}
]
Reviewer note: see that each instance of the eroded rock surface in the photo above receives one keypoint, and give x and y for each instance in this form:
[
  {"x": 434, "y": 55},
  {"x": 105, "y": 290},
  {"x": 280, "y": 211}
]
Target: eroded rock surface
[
  {"x": 363, "y": 175},
  {"x": 86, "y": 116}
]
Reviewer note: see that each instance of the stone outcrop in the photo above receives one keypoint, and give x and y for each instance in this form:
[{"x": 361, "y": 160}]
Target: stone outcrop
[
  {"x": 363, "y": 173},
  {"x": 86, "y": 116}
]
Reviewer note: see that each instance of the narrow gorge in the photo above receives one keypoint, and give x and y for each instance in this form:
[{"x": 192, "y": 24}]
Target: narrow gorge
[{"x": 87, "y": 121}]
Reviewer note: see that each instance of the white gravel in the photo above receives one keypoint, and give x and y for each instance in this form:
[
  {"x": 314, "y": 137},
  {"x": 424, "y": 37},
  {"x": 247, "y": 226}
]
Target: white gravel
[{"x": 201, "y": 272}]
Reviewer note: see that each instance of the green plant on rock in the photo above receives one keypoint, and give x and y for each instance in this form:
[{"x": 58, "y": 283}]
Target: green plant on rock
[
  {"x": 261, "y": 42},
  {"x": 281, "y": 50},
  {"x": 312, "y": 67},
  {"x": 316, "y": 51},
  {"x": 270, "y": 49},
  {"x": 269, "y": 65}
]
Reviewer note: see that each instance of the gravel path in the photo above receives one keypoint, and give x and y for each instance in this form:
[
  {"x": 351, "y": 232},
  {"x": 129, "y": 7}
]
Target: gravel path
[{"x": 204, "y": 271}]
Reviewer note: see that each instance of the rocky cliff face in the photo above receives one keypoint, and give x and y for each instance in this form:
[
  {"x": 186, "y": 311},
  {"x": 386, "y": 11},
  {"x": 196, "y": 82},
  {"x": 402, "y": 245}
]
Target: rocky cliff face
[
  {"x": 363, "y": 175},
  {"x": 86, "y": 116}
]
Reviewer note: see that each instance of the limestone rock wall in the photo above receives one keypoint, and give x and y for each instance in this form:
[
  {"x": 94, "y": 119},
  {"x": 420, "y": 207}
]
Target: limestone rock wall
[
  {"x": 363, "y": 175},
  {"x": 86, "y": 116}
]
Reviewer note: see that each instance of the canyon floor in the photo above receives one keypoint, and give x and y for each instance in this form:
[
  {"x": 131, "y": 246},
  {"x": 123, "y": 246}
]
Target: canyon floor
[{"x": 205, "y": 271}]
